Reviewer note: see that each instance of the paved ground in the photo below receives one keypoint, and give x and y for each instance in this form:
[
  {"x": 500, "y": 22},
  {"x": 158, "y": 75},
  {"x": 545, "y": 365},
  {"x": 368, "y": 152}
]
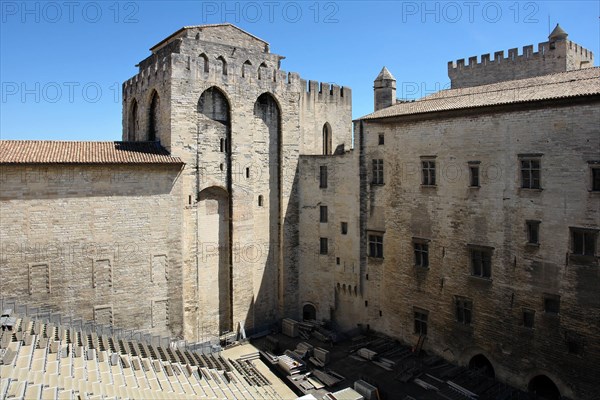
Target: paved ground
[{"x": 399, "y": 382}]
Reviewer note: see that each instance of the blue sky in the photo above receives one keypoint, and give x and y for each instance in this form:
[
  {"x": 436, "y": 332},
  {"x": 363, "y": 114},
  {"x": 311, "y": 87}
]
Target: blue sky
[{"x": 62, "y": 63}]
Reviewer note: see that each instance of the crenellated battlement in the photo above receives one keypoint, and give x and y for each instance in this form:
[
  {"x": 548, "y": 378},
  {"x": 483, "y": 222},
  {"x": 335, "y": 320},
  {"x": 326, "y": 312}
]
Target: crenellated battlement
[
  {"x": 154, "y": 70},
  {"x": 551, "y": 57}
]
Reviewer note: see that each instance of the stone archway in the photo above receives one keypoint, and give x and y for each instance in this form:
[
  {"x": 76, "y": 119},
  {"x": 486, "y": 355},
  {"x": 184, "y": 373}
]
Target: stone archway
[
  {"x": 309, "y": 312},
  {"x": 481, "y": 363},
  {"x": 543, "y": 388}
]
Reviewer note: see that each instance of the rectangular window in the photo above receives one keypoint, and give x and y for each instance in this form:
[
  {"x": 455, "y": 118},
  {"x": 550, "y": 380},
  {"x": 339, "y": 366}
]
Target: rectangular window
[
  {"x": 530, "y": 173},
  {"x": 344, "y": 228},
  {"x": 583, "y": 241},
  {"x": 473, "y": 175},
  {"x": 533, "y": 232},
  {"x": 421, "y": 317},
  {"x": 381, "y": 139},
  {"x": 464, "y": 310},
  {"x": 551, "y": 303},
  {"x": 596, "y": 178},
  {"x": 421, "y": 250},
  {"x": 323, "y": 248},
  {"x": 378, "y": 172},
  {"x": 528, "y": 318},
  {"x": 481, "y": 262},
  {"x": 376, "y": 246},
  {"x": 428, "y": 172},
  {"x": 323, "y": 176},
  {"x": 323, "y": 216}
]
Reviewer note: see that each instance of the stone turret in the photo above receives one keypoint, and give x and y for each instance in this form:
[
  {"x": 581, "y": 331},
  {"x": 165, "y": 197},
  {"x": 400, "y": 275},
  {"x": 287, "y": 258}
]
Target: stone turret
[{"x": 384, "y": 89}]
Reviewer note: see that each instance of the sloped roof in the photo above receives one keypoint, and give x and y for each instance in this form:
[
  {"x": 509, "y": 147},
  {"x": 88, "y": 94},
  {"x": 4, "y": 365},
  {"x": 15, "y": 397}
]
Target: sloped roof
[
  {"x": 385, "y": 74},
  {"x": 64, "y": 152},
  {"x": 583, "y": 82},
  {"x": 174, "y": 34},
  {"x": 558, "y": 33}
]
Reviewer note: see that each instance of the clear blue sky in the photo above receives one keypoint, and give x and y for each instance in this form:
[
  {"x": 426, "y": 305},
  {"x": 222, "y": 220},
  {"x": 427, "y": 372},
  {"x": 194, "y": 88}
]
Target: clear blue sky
[{"x": 62, "y": 63}]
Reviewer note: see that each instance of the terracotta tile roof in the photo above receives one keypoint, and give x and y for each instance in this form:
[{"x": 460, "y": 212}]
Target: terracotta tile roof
[
  {"x": 63, "y": 152},
  {"x": 583, "y": 82}
]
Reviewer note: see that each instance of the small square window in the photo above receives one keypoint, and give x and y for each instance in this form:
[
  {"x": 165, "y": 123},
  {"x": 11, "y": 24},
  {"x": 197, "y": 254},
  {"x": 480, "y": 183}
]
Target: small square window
[
  {"x": 531, "y": 172},
  {"x": 376, "y": 246},
  {"x": 323, "y": 248},
  {"x": 474, "y": 175},
  {"x": 464, "y": 310},
  {"x": 481, "y": 261},
  {"x": 428, "y": 172},
  {"x": 528, "y": 318},
  {"x": 421, "y": 251},
  {"x": 533, "y": 232},
  {"x": 551, "y": 304},
  {"x": 323, "y": 176},
  {"x": 323, "y": 214},
  {"x": 421, "y": 317},
  {"x": 344, "y": 228},
  {"x": 381, "y": 139}
]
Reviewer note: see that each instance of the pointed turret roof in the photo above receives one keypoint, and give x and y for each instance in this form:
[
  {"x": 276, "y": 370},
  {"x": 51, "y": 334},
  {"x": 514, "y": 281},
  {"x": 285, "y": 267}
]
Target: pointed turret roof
[
  {"x": 385, "y": 74},
  {"x": 558, "y": 33}
]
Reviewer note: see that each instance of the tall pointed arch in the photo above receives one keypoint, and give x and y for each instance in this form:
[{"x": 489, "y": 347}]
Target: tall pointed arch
[
  {"x": 132, "y": 125},
  {"x": 154, "y": 117},
  {"x": 203, "y": 60},
  {"x": 327, "y": 139}
]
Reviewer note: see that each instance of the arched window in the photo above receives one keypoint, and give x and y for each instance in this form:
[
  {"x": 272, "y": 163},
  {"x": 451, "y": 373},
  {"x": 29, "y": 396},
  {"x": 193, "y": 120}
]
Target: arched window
[
  {"x": 223, "y": 65},
  {"x": 133, "y": 121},
  {"x": 204, "y": 62},
  {"x": 260, "y": 70},
  {"x": 154, "y": 117},
  {"x": 327, "y": 140},
  {"x": 246, "y": 67},
  {"x": 309, "y": 312}
]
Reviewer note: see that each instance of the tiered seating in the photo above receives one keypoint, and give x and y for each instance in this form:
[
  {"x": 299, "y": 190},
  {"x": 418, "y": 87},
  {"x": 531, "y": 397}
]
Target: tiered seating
[{"x": 42, "y": 361}]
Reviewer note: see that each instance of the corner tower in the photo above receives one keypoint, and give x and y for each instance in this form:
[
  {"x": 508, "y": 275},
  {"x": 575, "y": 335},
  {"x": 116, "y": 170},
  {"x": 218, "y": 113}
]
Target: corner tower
[{"x": 384, "y": 89}]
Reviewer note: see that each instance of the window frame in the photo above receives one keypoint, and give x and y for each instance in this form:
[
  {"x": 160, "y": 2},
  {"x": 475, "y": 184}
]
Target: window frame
[
  {"x": 524, "y": 320},
  {"x": 323, "y": 176},
  {"x": 463, "y": 310},
  {"x": 421, "y": 252},
  {"x": 428, "y": 171},
  {"x": 420, "y": 321},
  {"x": 376, "y": 245},
  {"x": 532, "y": 226},
  {"x": 381, "y": 139},
  {"x": 551, "y": 297},
  {"x": 377, "y": 171},
  {"x": 486, "y": 253},
  {"x": 323, "y": 246},
  {"x": 527, "y": 172},
  {"x": 589, "y": 239},
  {"x": 595, "y": 176},
  {"x": 344, "y": 227},
  {"x": 323, "y": 214},
  {"x": 474, "y": 179}
]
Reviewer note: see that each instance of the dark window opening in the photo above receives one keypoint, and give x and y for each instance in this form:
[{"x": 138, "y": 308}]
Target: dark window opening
[
  {"x": 596, "y": 179},
  {"x": 464, "y": 310},
  {"x": 323, "y": 214},
  {"x": 583, "y": 241},
  {"x": 204, "y": 62},
  {"x": 530, "y": 174},
  {"x": 474, "y": 176},
  {"x": 421, "y": 322},
  {"x": 376, "y": 246},
  {"x": 323, "y": 248},
  {"x": 528, "y": 318},
  {"x": 337, "y": 260},
  {"x": 377, "y": 172},
  {"x": 260, "y": 200},
  {"x": 381, "y": 139},
  {"x": 247, "y": 172},
  {"x": 421, "y": 251},
  {"x": 222, "y": 145},
  {"x": 344, "y": 228},
  {"x": 154, "y": 122},
  {"x": 323, "y": 176},
  {"x": 366, "y": 303},
  {"x": 327, "y": 140},
  {"x": 551, "y": 304},
  {"x": 223, "y": 65},
  {"x": 533, "y": 232},
  {"x": 481, "y": 262},
  {"x": 428, "y": 172}
]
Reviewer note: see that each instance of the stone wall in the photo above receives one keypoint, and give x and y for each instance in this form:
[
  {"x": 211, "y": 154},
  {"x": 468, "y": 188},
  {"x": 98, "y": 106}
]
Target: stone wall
[
  {"x": 550, "y": 57},
  {"x": 274, "y": 116},
  {"x": 452, "y": 216},
  {"x": 100, "y": 242}
]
